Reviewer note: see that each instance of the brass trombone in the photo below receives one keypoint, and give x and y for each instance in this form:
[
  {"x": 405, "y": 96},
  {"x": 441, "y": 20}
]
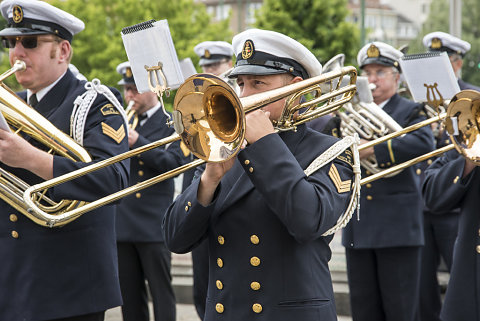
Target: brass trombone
[
  {"x": 210, "y": 119},
  {"x": 461, "y": 120}
]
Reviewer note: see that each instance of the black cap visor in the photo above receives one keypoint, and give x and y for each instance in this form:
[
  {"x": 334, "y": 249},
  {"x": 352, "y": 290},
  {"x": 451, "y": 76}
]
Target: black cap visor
[
  {"x": 380, "y": 61},
  {"x": 19, "y": 32},
  {"x": 254, "y": 70}
]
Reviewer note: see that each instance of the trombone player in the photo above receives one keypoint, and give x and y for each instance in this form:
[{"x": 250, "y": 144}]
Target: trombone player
[
  {"x": 453, "y": 182},
  {"x": 262, "y": 217},
  {"x": 383, "y": 247},
  {"x": 67, "y": 273}
]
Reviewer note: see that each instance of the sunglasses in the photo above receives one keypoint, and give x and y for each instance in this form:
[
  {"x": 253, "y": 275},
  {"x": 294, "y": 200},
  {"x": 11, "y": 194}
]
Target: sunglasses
[{"x": 27, "y": 42}]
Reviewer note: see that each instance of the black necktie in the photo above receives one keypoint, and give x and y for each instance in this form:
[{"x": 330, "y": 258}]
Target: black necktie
[
  {"x": 33, "y": 100},
  {"x": 142, "y": 117}
]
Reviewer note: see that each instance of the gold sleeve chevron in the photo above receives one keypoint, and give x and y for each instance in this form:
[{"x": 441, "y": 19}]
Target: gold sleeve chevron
[
  {"x": 117, "y": 135},
  {"x": 342, "y": 186}
]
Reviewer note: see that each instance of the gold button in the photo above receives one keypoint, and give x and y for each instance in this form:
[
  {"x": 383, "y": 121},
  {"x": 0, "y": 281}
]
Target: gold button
[
  {"x": 250, "y": 169},
  {"x": 369, "y": 185},
  {"x": 138, "y": 195},
  {"x": 189, "y": 203},
  {"x": 247, "y": 162},
  {"x": 388, "y": 163},
  {"x": 219, "y": 284},
  {"x": 219, "y": 307},
  {"x": 186, "y": 208},
  {"x": 419, "y": 171},
  {"x": 255, "y": 261},
  {"x": 220, "y": 262},
  {"x": 13, "y": 218},
  {"x": 429, "y": 162},
  {"x": 382, "y": 165},
  {"x": 455, "y": 180},
  {"x": 221, "y": 240},
  {"x": 368, "y": 172},
  {"x": 140, "y": 163},
  {"x": 478, "y": 246},
  {"x": 254, "y": 239},
  {"x": 140, "y": 173},
  {"x": 257, "y": 308},
  {"x": 15, "y": 234},
  {"x": 255, "y": 286},
  {"x": 369, "y": 197}
]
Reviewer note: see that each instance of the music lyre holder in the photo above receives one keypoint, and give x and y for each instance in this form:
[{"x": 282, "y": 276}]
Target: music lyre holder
[
  {"x": 437, "y": 100},
  {"x": 155, "y": 73}
]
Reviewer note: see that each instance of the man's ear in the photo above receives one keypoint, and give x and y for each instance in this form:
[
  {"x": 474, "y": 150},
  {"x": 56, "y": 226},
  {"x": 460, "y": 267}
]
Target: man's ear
[
  {"x": 65, "y": 50},
  {"x": 296, "y": 79}
]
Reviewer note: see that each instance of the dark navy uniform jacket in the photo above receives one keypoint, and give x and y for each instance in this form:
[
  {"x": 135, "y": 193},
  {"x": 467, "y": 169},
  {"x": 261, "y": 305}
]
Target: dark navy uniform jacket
[
  {"x": 465, "y": 85},
  {"x": 140, "y": 215},
  {"x": 445, "y": 189},
  {"x": 391, "y": 208},
  {"x": 49, "y": 273},
  {"x": 268, "y": 259}
]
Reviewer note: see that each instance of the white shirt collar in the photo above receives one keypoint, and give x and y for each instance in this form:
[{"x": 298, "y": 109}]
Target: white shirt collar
[
  {"x": 42, "y": 92},
  {"x": 150, "y": 112},
  {"x": 383, "y": 103}
]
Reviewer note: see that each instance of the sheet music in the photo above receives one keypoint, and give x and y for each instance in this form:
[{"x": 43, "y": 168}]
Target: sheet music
[
  {"x": 188, "y": 69},
  {"x": 4, "y": 124},
  {"x": 147, "y": 44},
  {"x": 433, "y": 69}
]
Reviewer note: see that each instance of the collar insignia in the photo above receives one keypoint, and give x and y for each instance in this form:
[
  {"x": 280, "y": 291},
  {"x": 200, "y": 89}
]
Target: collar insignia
[
  {"x": 117, "y": 135},
  {"x": 128, "y": 72},
  {"x": 248, "y": 49},
  {"x": 436, "y": 43},
  {"x": 373, "y": 51},
  {"x": 109, "y": 109},
  {"x": 207, "y": 54},
  {"x": 17, "y": 13}
]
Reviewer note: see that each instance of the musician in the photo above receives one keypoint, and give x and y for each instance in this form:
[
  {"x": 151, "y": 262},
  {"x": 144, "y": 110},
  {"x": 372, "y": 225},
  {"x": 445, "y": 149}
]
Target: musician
[
  {"x": 142, "y": 254},
  {"x": 215, "y": 58},
  {"x": 262, "y": 217},
  {"x": 67, "y": 273},
  {"x": 440, "y": 230},
  {"x": 456, "y": 49},
  {"x": 453, "y": 181},
  {"x": 383, "y": 247}
]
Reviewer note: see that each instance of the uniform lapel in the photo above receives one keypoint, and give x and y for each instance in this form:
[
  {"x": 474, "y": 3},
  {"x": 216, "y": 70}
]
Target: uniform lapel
[
  {"x": 236, "y": 183},
  {"x": 152, "y": 123}
]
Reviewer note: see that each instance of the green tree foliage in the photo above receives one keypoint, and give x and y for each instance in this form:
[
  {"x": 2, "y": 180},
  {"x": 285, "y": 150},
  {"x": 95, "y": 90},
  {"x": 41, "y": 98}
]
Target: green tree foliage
[
  {"x": 321, "y": 26},
  {"x": 438, "y": 20},
  {"x": 99, "y": 48}
]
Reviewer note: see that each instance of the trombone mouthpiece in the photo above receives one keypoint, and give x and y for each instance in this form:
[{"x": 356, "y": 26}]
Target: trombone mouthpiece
[{"x": 372, "y": 86}]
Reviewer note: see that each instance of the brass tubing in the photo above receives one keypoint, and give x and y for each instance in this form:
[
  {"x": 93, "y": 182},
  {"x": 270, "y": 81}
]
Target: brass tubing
[
  {"x": 408, "y": 129},
  {"x": 406, "y": 164}
]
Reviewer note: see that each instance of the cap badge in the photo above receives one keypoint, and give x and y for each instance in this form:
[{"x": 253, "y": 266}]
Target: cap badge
[
  {"x": 128, "y": 72},
  {"x": 207, "y": 54},
  {"x": 436, "y": 43},
  {"x": 373, "y": 51},
  {"x": 17, "y": 14},
  {"x": 248, "y": 49}
]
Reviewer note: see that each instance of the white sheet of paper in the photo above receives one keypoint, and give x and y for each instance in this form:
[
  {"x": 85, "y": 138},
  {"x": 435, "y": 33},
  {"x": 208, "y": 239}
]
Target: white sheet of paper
[
  {"x": 4, "y": 124},
  {"x": 429, "y": 69},
  {"x": 147, "y": 44}
]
